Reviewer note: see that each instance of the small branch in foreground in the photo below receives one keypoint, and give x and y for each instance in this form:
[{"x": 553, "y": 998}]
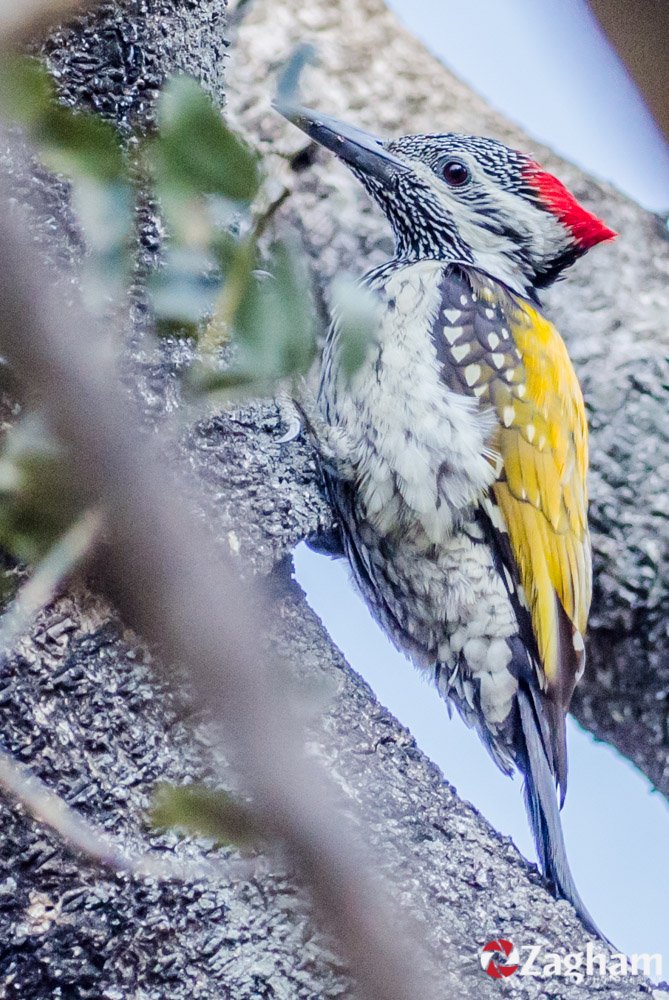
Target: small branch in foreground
[
  {"x": 91, "y": 841},
  {"x": 48, "y": 576}
]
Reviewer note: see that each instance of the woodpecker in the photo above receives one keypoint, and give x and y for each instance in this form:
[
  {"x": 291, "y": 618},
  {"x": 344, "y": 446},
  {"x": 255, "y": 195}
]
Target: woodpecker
[{"x": 456, "y": 456}]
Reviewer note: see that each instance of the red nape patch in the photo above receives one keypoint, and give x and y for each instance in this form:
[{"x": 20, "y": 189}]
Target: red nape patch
[{"x": 585, "y": 227}]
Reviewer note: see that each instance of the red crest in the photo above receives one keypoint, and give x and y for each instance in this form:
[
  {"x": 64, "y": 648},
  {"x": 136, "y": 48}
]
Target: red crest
[{"x": 586, "y": 229}]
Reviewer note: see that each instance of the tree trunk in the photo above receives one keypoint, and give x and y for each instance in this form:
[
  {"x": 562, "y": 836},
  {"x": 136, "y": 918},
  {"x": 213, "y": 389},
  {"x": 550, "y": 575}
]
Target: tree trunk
[{"x": 78, "y": 701}]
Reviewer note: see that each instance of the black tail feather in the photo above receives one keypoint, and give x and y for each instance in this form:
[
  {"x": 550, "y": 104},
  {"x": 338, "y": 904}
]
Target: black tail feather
[{"x": 543, "y": 811}]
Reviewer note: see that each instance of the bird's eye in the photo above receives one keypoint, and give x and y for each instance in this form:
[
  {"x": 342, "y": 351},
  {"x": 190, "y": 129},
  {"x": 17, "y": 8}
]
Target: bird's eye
[{"x": 455, "y": 173}]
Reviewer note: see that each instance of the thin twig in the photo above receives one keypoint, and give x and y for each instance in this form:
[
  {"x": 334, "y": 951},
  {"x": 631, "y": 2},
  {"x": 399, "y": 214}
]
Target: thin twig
[
  {"x": 264, "y": 217},
  {"x": 94, "y": 843},
  {"x": 230, "y": 298},
  {"x": 46, "y": 579}
]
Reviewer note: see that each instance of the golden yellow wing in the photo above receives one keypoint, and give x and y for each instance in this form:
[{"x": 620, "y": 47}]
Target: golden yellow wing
[
  {"x": 542, "y": 491},
  {"x": 497, "y": 347}
]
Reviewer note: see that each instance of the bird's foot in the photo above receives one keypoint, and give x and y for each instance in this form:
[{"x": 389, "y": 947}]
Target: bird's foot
[{"x": 301, "y": 412}]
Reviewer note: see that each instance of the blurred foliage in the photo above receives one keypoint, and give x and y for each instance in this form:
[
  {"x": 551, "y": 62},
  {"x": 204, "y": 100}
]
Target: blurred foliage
[
  {"x": 86, "y": 149},
  {"x": 37, "y": 504},
  {"x": 272, "y": 320},
  {"x": 219, "y": 281},
  {"x": 194, "y": 151},
  {"x": 356, "y": 311},
  {"x": 205, "y": 812},
  {"x": 69, "y": 142}
]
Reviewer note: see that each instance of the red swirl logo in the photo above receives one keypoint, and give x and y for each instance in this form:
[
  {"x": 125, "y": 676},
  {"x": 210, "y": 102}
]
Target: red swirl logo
[{"x": 499, "y": 958}]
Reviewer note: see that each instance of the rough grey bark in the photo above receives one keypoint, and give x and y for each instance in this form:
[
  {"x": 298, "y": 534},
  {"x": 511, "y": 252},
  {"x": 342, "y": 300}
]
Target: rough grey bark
[
  {"x": 79, "y": 706},
  {"x": 613, "y": 310}
]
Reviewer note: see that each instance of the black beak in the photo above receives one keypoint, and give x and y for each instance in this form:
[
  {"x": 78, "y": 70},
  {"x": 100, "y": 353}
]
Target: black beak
[{"x": 359, "y": 150}]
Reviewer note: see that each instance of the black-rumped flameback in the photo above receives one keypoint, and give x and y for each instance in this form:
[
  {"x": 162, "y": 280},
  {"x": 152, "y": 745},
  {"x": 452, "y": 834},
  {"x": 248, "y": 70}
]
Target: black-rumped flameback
[{"x": 456, "y": 456}]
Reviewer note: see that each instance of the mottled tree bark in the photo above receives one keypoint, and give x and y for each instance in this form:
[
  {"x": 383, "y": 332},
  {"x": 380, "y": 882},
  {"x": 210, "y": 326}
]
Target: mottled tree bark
[{"x": 78, "y": 703}]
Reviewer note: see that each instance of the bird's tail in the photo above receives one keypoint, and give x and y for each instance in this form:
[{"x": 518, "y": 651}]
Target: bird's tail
[{"x": 543, "y": 810}]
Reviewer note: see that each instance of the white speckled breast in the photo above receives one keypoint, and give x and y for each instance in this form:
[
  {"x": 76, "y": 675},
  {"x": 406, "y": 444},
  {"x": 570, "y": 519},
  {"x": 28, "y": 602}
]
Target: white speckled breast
[
  {"x": 410, "y": 518},
  {"x": 420, "y": 447}
]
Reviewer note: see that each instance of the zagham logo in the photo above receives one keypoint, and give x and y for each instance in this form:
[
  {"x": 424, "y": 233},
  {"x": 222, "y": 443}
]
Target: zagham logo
[{"x": 500, "y": 959}]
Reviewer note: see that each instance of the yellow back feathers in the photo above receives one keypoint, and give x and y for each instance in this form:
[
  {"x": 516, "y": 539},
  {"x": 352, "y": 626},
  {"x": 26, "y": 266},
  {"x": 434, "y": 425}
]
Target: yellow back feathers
[{"x": 542, "y": 492}]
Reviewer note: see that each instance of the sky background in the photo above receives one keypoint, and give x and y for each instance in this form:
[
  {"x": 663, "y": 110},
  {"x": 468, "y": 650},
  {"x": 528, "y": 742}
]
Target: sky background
[{"x": 547, "y": 66}]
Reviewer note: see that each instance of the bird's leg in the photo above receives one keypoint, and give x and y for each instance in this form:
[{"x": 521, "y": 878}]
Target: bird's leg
[
  {"x": 290, "y": 417},
  {"x": 300, "y": 411}
]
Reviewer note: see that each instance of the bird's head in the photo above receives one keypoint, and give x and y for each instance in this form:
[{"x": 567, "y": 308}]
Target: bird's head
[{"x": 465, "y": 198}]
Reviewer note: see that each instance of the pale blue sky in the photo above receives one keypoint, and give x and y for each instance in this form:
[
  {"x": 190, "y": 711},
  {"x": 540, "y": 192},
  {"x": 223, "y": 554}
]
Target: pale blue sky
[{"x": 546, "y": 65}]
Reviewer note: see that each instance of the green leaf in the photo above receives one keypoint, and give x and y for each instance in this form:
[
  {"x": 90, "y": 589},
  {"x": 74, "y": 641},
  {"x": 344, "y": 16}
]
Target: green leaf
[
  {"x": 37, "y": 502},
  {"x": 26, "y": 89},
  {"x": 204, "y": 811},
  {"x": 184, "y": 290},
  {"x": 356, "y": 312},
  {"x": 195, "y": 150},
  {"x": 69, "y": 142},
  {"x": 274, "y": 329},
  {"x": 79, "y": 143}
]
